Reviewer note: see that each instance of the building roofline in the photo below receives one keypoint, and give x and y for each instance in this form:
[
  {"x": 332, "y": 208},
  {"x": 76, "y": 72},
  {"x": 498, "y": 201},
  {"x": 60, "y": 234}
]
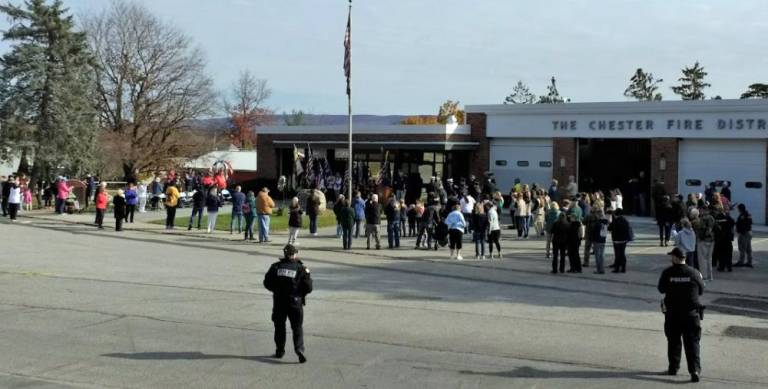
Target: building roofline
[{"x": 732, "y": 105}]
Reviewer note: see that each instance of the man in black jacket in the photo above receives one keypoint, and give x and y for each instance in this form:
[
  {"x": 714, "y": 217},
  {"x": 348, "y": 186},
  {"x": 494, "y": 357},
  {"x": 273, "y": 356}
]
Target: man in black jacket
[
  {"x": 682, "y": 286},
  {"x": 427, "y": 224},
  {"x": 198, "y": 204},
  {"x": 5, "y": 191},
  {"x": 290, "y": 283},
  {"x": 372, "y": 221}
]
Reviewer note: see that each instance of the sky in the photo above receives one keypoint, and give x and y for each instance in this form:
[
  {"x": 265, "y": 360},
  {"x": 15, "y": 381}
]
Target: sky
[{"x": 409, "y": 56}]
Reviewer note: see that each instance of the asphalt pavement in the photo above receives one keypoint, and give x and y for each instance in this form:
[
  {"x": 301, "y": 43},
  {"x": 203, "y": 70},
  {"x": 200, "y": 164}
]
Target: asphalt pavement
[{"x": 146, "y": 308}]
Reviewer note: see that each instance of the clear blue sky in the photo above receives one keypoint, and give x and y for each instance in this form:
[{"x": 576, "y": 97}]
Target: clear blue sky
[{"x": 410, "y": 55}]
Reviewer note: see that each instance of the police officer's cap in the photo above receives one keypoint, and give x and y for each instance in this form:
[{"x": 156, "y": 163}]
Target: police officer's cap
[
  {"x": 290, "y": 250},
  {"x": 677, "y": 253}
]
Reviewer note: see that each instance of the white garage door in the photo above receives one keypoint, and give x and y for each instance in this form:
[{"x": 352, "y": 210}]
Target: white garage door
[
  {"x": 740, "y": 162},
  {"x": 529, "y": 160}
]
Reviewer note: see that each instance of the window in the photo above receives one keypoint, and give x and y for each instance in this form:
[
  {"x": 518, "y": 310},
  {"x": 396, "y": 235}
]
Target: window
[
  {"x": 753, "y": 184},
  {"x": 692, "y": 182},
  {"x": 501, "y": 163},
  {"x": 522, "y": 163},
  {"x": 545, "y": 163}
]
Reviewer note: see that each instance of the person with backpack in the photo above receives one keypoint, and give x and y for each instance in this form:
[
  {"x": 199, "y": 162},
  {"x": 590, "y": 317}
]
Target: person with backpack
[
  {"x": 703, "y": 224},
  {"x": 722, "y": 251},
  {"x": 744, "y": 231},
  {"x": 598, "y": 231}
]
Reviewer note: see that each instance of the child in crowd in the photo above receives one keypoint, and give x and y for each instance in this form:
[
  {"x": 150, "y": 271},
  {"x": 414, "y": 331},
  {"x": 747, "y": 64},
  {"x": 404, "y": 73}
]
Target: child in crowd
[{"x": 27, "y": 199}]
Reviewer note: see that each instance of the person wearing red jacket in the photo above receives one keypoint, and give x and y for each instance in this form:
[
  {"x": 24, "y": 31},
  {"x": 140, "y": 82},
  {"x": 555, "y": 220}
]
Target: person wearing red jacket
[{"x": 101, "y": 206}]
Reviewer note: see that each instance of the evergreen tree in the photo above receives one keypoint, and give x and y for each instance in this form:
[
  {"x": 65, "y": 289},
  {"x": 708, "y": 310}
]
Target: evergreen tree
[
  {"x": 46, "y": 90},
  {"x": 692, "y": 83},
  {"x": 756, "y": 91},
  {"x": 520, "y": 95},
  {"x": 552, "y": 96},
  {"x": 643, "y": 87}
]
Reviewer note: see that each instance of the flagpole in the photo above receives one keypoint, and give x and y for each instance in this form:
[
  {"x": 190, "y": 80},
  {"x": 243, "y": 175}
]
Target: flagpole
[{"x": 349, "y": 113}]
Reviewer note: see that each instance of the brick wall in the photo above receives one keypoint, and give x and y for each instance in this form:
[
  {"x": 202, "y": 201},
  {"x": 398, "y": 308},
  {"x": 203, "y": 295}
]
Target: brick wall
[
  {"x": 480, "y": 159},
  {"x": 564, "y": 150},
  {"x": 669, "y": 148}
]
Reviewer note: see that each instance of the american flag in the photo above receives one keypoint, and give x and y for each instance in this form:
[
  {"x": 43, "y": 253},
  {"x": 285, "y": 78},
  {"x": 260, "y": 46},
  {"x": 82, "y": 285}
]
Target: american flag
[
  {"x": 348, "y": 52},
  {"x": 384, "y": 173},
  {"x": 310, "y": 166}
]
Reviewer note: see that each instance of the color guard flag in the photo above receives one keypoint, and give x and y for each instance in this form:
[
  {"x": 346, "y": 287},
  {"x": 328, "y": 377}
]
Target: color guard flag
[{"x": 348, "y": 52}]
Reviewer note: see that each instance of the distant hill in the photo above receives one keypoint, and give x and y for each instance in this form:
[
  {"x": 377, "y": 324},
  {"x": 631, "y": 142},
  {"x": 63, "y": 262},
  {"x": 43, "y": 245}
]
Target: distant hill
[{"x": 221, "y": 124}]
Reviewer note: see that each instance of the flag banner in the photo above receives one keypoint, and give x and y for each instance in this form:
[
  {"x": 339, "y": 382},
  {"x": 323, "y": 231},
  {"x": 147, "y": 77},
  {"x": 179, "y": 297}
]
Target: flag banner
[
  {"x": 310, "y": 177},
  {"x": 384, "y": 173},
  {"x": 348, "y": 53},
  {"x": 297, "y": 161}
]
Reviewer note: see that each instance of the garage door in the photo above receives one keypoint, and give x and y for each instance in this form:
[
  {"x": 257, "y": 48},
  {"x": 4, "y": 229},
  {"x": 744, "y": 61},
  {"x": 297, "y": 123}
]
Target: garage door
[
  {"x": 740, "y": 162},
  {"x": 530, "y": 160}
]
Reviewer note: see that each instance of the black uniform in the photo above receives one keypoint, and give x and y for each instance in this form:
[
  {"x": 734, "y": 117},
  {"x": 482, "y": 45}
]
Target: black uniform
[
  {"x": 290, "y": 283},
  {"x": 682, "y": 286}
]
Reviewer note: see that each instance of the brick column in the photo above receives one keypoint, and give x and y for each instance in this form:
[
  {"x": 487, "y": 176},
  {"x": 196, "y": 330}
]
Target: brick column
[
  {"x": 480, "y": 158},
  {"x": 669, "y": 148},
  {"x": 564, "y": 150},
  {"x": 266, "y": 157}
]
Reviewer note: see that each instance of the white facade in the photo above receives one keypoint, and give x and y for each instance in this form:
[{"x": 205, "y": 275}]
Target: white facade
[
  {"x": 740, "y": 162},
  {"x": 529, "y": 160},
  {"x": 709, "y": 119},
  {"x": 718, "y": 140}
]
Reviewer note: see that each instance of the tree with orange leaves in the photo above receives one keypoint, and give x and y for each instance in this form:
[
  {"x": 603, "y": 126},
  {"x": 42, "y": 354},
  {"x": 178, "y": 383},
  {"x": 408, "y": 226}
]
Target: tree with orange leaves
[{"x": 247, "y": 111}]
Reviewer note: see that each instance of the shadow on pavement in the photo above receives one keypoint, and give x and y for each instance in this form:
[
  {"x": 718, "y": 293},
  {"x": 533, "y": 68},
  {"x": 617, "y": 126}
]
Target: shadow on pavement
[
  {"x": 193, "y": 355},
  {"x": 530, "y": 372}
]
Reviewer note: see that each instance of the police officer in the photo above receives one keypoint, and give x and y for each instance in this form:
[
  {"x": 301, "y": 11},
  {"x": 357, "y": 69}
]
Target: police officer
[
  {"x": 290, "y": 283},
  {"x": 682, "y": 286}
]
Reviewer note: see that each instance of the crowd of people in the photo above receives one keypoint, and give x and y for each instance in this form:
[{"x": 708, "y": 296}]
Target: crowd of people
[{"x": 573, "y": 225}]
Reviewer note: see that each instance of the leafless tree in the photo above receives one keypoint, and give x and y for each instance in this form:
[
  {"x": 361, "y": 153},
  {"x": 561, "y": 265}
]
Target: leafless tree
[
  {"x": 151, "y": 84},
  {"x": 247, "y": 108}
]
